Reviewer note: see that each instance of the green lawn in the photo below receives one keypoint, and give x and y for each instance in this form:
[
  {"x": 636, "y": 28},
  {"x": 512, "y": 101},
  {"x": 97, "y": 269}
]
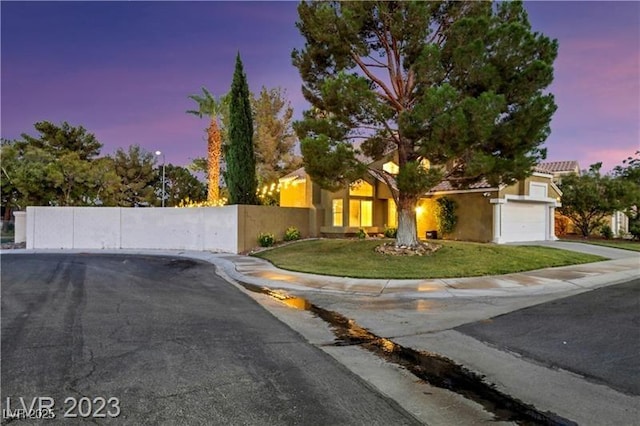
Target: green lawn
[
  {"x": 620, "y": 244},
  {"x": 357, "y": 259}
]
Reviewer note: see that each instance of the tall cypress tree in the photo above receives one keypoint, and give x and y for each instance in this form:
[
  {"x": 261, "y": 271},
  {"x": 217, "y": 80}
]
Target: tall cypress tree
[{"x": 241, "y": 163}]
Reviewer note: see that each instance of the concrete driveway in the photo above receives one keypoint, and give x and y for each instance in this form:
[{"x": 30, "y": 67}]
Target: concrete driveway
[{"x": 608, "y": 252}]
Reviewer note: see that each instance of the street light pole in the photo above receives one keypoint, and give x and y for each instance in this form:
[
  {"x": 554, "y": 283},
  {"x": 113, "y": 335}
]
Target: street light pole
[{"x": 163, "y": 179}]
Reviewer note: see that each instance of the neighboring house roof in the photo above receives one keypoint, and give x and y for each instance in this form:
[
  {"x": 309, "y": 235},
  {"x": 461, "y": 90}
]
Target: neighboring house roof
[{"x": 558, "y": 167}]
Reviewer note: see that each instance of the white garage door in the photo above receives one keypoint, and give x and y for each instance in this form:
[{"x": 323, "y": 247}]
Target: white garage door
[{"x": 524, "y": 222}]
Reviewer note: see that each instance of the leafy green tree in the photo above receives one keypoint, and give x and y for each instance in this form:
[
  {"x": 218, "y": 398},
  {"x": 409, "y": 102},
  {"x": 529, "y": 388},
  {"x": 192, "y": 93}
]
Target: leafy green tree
[
  {"x": 181, "y": 185},
  {"x": 106, "y": 181},
  {"x": 26, "y": 179},
  {"x": 240, "y": 175},
  {"x": 136, "y": 170},
  {"x": 73, "y": 180},
  {"x": 588, "y": 198},
  {"x": 199, "y": 165},
  {"x": 629, "y": 175},
  {"x": 59, "y": 140},
  {"x": 10, "y": 194},
  {"x": 57, "y": 168},
  {"x": 460, "y": 84},
  {"x": 273, "y": 136},
  {"x": 211, "y": 107}
]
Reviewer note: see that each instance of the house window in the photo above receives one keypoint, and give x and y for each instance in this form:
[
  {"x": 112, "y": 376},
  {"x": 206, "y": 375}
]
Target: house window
[
  {"x": 361, "y": 188},
  {"x": 537, "y": 190},
  {"x": 392, "y": 214},
  {"x": 391, "y": 168},
  {"x": 336, "y": 210},
  {"x": 360, "y": 213}
]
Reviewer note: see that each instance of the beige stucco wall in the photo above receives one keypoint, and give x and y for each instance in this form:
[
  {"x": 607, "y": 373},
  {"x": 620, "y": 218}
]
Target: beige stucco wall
[
  {"x": 383, "y": 191},
  {"x": 474, "y": 212},
  {"x": 553, "y": 193},
  {"x": 522, "y": 187},
  {"x": 475, "y": 217},
  {"x": 252, "y": 220},
  {"x": 326, "y": 200},
  {"x": 515, "y": 189}
]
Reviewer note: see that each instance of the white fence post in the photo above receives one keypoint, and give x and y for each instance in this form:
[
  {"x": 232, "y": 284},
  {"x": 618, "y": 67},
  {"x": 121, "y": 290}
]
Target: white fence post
[{"x": 20, "y": 227}]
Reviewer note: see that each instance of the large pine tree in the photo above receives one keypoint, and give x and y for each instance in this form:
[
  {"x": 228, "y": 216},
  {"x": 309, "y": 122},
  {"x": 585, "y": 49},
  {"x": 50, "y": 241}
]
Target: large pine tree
[
  {"x": 457, "y": 83},
  {"x": 241, "y": 163}
]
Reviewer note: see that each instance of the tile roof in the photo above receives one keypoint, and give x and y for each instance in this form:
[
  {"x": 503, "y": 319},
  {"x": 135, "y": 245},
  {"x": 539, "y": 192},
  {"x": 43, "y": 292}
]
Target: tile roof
[
  {"x": 446, "y": 185},
  {"x": 378, "y": 174},
  {"x": 558, "y": 166}
]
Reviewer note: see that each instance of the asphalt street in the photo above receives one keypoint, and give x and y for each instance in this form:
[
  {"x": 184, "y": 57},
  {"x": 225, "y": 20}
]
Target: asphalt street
[
  {"x": 164, "y": 340},
  {"x": 595, "y": 334}
]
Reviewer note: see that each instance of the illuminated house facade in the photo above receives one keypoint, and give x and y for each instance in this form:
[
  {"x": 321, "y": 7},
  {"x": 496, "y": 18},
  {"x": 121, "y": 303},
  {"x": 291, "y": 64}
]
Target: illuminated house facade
[{"x": 523, "y": 211}]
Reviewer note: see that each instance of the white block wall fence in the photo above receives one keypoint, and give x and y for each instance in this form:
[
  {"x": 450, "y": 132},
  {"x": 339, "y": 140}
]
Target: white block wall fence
[
  {"x": 231, "y": 229},
  {"x": 20, "y": 227}
]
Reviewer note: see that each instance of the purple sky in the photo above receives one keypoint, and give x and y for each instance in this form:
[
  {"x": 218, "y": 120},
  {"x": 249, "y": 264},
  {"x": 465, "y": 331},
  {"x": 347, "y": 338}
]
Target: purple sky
[{"x": 123, "y": 70}]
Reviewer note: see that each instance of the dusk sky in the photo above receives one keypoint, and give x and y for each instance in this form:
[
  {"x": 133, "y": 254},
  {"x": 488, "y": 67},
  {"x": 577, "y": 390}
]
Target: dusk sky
[{"x": 123, "y": 70}]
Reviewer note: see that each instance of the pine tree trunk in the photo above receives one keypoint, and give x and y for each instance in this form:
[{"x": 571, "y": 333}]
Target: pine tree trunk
[
  {"x": 407, "y": 228},
  {"x": 214, "y": 147}
]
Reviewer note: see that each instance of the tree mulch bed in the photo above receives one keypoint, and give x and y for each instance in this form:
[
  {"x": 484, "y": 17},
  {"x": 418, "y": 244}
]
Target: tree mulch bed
[{"x": 422, "y": 249}]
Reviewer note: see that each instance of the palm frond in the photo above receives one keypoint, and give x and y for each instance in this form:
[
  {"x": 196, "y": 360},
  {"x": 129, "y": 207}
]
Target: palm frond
[{"x": 194, "y": 112}]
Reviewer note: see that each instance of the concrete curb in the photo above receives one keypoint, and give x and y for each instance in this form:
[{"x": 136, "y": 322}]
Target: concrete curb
[{"x": 262, "y": 273}]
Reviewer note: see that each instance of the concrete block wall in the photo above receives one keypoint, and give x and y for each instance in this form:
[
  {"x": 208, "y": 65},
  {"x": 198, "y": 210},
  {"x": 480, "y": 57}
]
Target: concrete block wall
[
  {"x": 205, "y": 228},
  {"x": 231, "y": 229},
  {"x": 253, "y": 220}
]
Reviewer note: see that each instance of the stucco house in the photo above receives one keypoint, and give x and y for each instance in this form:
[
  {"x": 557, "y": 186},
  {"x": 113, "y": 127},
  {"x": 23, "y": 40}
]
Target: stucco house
[{"x": 523, "y": 211}]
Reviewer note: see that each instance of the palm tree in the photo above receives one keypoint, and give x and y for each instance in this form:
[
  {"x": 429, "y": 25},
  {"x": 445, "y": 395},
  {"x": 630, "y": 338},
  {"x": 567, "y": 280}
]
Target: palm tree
[{"x": 210, "y": 107}]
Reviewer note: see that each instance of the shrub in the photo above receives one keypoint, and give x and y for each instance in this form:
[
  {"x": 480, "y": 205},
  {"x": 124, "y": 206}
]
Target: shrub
[
  {"x": 561, "y": 225},
  {"x": 266, "y": 239},
  {"x": 446, "y": 215},
  {"x": 391, "y": 232},
  {"x": 606, "y": 232},
  {"x": 634, "y": 229},
  {"x": 292, "y": 234},
  {"x": 362, "y": 234}
]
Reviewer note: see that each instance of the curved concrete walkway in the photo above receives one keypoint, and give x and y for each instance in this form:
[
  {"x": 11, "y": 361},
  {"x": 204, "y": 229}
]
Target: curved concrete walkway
[{"x": 624, "y": 264}]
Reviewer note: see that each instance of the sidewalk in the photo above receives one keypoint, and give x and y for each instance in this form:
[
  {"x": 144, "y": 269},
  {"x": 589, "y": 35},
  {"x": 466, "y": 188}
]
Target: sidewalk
[
  {"x": 423, "y": 314},
  {"x": 260, "y": 272}
]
